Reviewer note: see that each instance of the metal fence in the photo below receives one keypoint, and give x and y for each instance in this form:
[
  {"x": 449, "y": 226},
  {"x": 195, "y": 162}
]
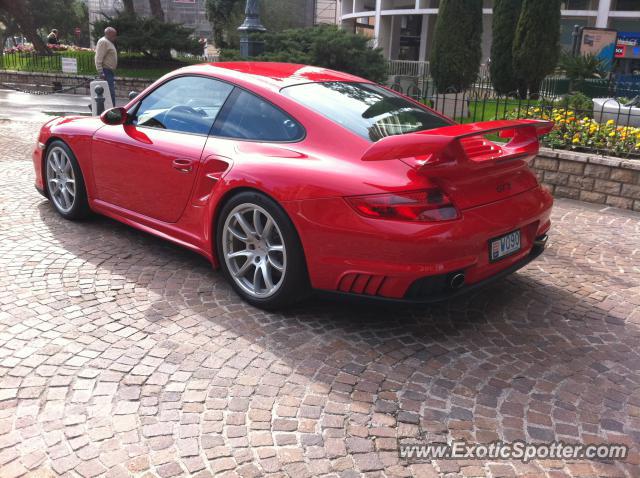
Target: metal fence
[
  {"x": 603, "y": 119},
  {"x": 52, "y": 63}
]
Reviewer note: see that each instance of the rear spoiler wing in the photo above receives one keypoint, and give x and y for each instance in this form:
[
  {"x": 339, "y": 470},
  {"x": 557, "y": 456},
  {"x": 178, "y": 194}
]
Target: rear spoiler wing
[{"x": 443, "y": 145}]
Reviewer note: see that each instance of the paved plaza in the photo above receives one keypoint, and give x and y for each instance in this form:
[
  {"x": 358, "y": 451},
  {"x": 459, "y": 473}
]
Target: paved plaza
[{"x": 124, "y": 355}]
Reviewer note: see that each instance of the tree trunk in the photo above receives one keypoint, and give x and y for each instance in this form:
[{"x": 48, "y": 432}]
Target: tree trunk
[
  {"x": 156, "y": 9},
  {"x": 38, "y": 44},
  {"x": 218, "y": 35},
  {"x": 128, "y": 7},
  {"x": 522, "y": 90},
  {"x": 534, "y": 89},
  {"x": 19, "y": 11}
]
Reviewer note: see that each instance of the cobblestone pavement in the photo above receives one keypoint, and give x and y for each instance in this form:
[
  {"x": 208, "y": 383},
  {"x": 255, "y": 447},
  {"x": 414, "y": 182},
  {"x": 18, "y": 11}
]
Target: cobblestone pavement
[{"x": 121, "y": 354}]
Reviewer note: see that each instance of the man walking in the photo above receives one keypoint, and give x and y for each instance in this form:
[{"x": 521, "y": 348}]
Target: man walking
[{"x": 107, "y": 59}]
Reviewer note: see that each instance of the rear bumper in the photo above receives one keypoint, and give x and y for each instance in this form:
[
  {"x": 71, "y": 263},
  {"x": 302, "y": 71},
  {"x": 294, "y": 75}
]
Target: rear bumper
[
  {"x": 348, "y": 253},
  {"x": 431, "y": 289}
]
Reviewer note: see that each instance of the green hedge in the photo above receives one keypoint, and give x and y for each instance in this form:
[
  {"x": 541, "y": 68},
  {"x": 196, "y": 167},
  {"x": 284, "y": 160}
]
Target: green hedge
[{"x": 130, "y": 65}]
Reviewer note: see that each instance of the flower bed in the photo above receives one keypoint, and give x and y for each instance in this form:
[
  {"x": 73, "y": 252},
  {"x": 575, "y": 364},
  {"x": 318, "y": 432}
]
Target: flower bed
[
  {"x": 28, "y": 48},
  {"x": 578, "y": 131}
]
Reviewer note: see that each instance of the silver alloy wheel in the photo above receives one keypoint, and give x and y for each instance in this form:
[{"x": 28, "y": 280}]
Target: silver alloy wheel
[
  {"x": 254, "y": 250},
  {"x": 60, "y": 179}
]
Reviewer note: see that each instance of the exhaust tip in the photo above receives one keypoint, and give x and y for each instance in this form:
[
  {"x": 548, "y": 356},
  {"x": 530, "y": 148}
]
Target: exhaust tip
[
  {"x": 456, "y": 281},
  {"x": 541, "y": 241}
]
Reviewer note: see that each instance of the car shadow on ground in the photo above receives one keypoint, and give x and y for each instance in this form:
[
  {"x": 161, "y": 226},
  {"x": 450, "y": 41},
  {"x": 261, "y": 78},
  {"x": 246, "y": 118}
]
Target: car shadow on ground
[{"x": 523, "y": 358}]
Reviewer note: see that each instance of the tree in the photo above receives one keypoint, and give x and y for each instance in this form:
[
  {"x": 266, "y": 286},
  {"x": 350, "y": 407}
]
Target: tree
[
  {"x": 22, "y": 14},
  {"x": 128, "y": 7},
  {"x": 220, "y": 13},
  {"x": 536, "y": 46},
  {"x": 505, "y": 19},
  {"x": 32, "y": 16},
  {"x": 581, "y": 67},
  {"x": 156, "y": 9},
  {"x": 326, "y": 46},
  {"x": 457, "y": 48},
  {"x": 149, "y": 36}
]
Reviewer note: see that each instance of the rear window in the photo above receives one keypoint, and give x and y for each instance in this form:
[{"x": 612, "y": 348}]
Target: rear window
[{"x": 368, "y": 110}]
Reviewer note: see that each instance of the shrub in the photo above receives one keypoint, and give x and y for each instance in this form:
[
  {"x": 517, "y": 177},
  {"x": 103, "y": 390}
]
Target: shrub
[
  {"x": 536, "y": 45},
  {"x": 457, "y": 49},
  {"x": 505, "y": 19},
  {"x": 578, "y": 102},
  {"x": 581, "y": 67},
  {"x": 326, "y": 46},
  {"x": 149, "y": 36}
]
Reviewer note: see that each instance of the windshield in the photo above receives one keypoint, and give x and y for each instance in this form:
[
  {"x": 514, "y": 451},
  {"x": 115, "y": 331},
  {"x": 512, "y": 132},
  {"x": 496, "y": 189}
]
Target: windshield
[{"x": 366, "y": 109}]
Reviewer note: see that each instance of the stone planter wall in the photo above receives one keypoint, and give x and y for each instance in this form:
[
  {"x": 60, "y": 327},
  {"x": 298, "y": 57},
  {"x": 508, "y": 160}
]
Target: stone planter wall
[
  {"x": 596, "y": 179},
  {"x": 45, "y": 82}
]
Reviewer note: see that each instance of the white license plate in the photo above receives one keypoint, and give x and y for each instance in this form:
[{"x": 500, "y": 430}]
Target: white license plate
[{"x": 504, "y": 246}]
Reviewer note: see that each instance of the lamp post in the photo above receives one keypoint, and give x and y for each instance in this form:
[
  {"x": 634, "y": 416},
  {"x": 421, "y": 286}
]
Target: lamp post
[{"x": 249, "y": 45}]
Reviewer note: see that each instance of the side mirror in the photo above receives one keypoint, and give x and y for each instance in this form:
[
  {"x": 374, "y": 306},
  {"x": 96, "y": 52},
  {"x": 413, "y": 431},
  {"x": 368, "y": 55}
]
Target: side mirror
[
  {"x": 114, "y": 116},
  {"x": 132, "y": 95}
]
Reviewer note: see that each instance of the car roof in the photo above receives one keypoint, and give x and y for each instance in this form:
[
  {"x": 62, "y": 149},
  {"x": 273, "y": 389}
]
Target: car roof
[{"x": 269, "y": 75}]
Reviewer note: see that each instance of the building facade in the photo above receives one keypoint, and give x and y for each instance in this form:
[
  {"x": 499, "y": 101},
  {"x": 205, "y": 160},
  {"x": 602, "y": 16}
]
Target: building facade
[
  {"x": 192, "y": 13},
  {"x": 404, "y": 28}
]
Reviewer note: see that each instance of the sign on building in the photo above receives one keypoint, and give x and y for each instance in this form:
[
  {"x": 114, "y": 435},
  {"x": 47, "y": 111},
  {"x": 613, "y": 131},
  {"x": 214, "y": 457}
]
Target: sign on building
[
  {"x": 628, "y": 46},
  {"x": 600, "y": 42},
  {"x": 69, "y": 65}
]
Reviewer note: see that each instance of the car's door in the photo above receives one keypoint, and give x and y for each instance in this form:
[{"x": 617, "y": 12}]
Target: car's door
[{"x": 148, "y": 165}]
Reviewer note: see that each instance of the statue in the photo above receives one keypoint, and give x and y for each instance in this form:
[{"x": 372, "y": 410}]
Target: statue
[
  {"x": 249, "y": 44},
  {"x": 252, "y": 9},
  {"x": 252, "y": 18}
]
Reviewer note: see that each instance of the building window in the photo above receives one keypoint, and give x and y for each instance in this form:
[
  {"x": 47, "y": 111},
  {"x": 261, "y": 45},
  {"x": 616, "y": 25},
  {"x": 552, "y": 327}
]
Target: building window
[
  {"x": 624, "y": 24},
  {"x": 629, "y": 5},
  {"x": 566, "y": 29},
  {"x": 410, "y": 30},
  {"x": 365, "y": 26},
  {"x": 579, "y": 4}
]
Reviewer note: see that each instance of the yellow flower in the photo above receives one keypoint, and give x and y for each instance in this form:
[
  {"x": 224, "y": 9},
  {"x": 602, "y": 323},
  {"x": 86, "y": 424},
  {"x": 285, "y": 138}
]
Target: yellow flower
[
  {"x": 612, "y": 134},
  {"x": 610, "y": 122},
  {"x": 575, "y": 140}
]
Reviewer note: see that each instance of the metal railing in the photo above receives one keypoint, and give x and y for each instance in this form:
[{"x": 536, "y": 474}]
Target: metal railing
[
  {"x": 421, "y": 68},
  {"x": 408, "y": 68},
  {"x": 52, "y": 63},
  {"x": 609, "y": 125}
]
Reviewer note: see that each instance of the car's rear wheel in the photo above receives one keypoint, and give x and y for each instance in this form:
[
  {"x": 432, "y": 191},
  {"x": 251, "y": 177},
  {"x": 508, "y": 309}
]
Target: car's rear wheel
[
  {"x": 260, "y": 252},
  {"x": 64, "y": 182}
]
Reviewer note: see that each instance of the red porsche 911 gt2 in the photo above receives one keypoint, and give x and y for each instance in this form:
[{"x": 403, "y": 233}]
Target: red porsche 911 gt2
[{"x": 292, "y": 178}]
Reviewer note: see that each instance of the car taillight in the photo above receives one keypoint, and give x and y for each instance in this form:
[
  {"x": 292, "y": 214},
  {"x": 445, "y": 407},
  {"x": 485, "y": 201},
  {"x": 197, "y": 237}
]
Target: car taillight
[{"x": 421, "y": 206}]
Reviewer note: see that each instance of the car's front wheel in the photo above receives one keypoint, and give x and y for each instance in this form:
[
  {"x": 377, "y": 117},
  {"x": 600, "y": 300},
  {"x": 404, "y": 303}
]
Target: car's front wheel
[
  {"x": 260, "y": 252},
  {"x": 64, "y": 182}
]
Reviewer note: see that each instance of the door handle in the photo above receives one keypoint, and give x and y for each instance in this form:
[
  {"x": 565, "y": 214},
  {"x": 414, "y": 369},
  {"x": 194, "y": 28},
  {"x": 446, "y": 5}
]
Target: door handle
[{"x": 183, "y": 165}]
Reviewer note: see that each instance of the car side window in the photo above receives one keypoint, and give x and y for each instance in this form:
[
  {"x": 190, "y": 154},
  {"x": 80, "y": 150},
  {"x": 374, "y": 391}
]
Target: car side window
[
  {"x": 189, "y": 104},
  {"x": 246, "y": 116}
]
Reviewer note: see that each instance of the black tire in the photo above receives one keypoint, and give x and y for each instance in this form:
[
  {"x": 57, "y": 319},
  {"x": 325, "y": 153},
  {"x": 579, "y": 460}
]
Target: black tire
[
  {"x": 79, "y": 209},
  {"x": 294, "y": 285}
]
